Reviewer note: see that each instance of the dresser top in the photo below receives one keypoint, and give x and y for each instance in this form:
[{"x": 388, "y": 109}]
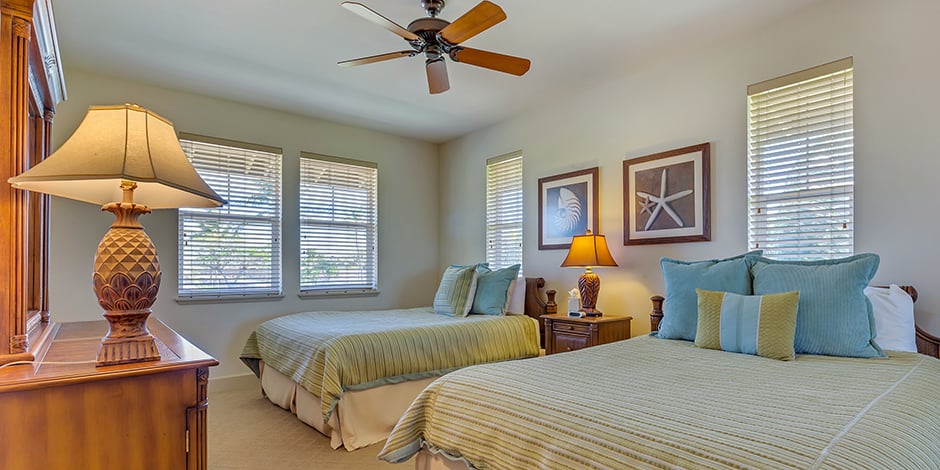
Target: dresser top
[{"x": 76, "y": 344}]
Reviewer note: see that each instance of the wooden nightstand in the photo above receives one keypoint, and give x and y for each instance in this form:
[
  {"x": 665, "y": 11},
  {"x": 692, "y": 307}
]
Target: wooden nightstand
[{"x": 564, "y": 333}]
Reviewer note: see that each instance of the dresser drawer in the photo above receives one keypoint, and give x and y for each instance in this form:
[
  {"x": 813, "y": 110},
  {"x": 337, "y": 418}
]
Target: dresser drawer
[{"x": 564, "y": 327}]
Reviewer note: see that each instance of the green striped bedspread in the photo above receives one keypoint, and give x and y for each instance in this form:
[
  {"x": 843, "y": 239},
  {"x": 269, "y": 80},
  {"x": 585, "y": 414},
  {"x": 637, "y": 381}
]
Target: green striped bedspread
[
  {"x": 328, "y": 353},
  {"x": 653, "y": 403}
]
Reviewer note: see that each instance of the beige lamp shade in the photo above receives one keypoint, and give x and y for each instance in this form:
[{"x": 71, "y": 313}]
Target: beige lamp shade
[
  {"x": 588, "y": 250},
  {"x": 130, "y": 160},
  {"x": 115, "y": 144}
]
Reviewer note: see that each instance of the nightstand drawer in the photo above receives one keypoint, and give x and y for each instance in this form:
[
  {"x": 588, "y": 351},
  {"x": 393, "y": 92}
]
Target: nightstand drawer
[
  {"x": 564, "y": 333},
  {"x": 564, "y": 327}
]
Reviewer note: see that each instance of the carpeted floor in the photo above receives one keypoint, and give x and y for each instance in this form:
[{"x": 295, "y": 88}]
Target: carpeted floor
[{"x": 246, "y": 432}]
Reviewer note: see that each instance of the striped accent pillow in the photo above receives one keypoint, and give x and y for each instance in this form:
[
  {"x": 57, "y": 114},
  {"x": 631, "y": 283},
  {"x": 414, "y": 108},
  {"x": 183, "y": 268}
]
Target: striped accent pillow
[
  {"x": 762, "y": 325},
  {"x": 455, "y": 293}
]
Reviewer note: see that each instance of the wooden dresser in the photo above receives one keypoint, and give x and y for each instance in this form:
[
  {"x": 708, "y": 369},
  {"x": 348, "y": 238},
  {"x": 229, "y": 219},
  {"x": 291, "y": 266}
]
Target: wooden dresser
[
  {"x": 31, "y": 85},
  {"x": 146, "y": 415}
]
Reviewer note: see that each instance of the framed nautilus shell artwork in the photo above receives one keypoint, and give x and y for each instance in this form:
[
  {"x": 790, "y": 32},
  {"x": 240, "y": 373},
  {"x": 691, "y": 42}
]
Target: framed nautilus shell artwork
[
  {"x": 666, "y": 197},
  {"x": 567, "y": 207}
]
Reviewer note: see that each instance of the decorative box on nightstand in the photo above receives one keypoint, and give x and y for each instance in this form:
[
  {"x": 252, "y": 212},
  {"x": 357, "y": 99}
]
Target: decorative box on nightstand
[{"x": 564, "y": 333}]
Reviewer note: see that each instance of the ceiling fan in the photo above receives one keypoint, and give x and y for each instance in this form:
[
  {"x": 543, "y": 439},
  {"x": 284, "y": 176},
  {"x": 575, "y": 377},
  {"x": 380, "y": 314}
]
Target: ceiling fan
[{"x": 437, "y": 39}]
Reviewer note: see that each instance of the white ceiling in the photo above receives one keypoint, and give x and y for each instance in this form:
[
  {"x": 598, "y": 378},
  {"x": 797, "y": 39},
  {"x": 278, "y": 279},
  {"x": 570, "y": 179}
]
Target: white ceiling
[{"x": 282, "y": 54}]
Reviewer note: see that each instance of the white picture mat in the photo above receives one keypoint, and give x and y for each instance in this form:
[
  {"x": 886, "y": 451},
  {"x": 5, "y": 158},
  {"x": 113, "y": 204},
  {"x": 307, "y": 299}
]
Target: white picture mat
[
  {"x": 546, "y": 214},
  {"x": 698, "y": 194}
]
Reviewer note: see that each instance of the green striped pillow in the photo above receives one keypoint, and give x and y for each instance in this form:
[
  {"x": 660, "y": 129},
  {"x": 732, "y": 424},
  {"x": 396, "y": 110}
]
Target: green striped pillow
[
  {"x": 455, "y": 293},
  {"x": 763, "y": 325}
]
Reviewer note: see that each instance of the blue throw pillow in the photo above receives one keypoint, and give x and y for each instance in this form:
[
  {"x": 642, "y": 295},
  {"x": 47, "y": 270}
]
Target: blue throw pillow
[
  {"x": 834, "y": 317},
  {"x": 680, "y": 310},
  {"x": 493, "y": 289}
]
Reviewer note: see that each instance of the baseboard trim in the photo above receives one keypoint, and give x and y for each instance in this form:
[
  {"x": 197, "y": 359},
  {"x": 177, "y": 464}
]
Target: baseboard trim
[{"x": 233, "y": 382}]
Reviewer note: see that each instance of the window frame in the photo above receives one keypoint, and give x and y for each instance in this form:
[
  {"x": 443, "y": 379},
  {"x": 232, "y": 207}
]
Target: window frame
[
  {"x": 186, "y": 292},
  {"x": 801, "y": 183},
  {"x": 504, "y": 175},
  {"x": 371, "y": 227}
]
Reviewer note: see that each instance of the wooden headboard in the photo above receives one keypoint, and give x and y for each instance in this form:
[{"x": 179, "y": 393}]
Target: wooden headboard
[
  {"x": 926, "y": 343},
  {"x": 535, "y": 307}
]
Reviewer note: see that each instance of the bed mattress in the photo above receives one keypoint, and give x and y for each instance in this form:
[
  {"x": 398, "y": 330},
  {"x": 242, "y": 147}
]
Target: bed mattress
[
  {"x": 329, "y": 353},
  {"x": 654, "y": 403}
]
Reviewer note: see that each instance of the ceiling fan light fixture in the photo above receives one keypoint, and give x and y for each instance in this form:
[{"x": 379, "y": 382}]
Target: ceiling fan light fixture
[{"x": 436, "y": 68}]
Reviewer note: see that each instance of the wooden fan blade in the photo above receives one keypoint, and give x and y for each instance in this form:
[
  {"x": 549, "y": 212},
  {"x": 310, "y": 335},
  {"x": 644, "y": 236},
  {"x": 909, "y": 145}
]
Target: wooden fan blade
[
  {"x": 491, "y": 60},
  {"x": 376, "y": 58},
  {"x": 478, "y": 19},
  {"x": 380, "y": 20},
  {"x": 437, "y": 76}
]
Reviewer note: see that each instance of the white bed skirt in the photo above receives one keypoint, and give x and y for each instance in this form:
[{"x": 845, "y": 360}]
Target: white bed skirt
[{"x": 361, "y": 418}]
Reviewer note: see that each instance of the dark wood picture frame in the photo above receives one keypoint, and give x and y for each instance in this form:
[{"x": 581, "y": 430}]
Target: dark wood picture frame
[
  {"x": 666, "y": 197},
  {"x": 571, "y": 199}
]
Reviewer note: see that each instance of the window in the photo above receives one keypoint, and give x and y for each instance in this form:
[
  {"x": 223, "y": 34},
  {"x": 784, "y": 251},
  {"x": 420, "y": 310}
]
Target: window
[
  {"x": 234, "y": 250},
  {"x": 800, "y": 164},
  {"x": 504, "y": 210},
  {"x": 338, "y": 225}
]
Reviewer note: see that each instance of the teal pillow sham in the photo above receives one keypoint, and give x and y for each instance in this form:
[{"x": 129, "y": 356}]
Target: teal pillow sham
[
  {"x": 835, "y": 317},
  {"x": 493, "y": 289},
  {"x": 680, "y": 309},
  {"x": 454, "y": 295},
  {"x": 762, "y": 325}
]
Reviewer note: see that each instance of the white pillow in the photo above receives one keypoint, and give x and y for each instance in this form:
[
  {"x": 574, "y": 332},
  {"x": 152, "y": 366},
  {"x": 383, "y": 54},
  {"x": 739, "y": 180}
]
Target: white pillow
[
  {"x": 517, "y": 297},
  {"x": 894, "y": 318}
]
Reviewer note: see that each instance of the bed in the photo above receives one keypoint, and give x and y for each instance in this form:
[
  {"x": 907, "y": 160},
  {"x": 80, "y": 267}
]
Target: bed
[
  {"x": 649, "y": 402},
  {"x": 351, "y": 375}
]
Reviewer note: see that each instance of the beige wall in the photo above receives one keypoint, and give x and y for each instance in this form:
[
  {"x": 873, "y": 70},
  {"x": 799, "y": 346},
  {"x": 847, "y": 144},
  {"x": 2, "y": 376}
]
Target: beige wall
[
  {"x": 699, "y": 96},
  {"x": 432, "y": 213},
  {"x": 408, "y": 214}
]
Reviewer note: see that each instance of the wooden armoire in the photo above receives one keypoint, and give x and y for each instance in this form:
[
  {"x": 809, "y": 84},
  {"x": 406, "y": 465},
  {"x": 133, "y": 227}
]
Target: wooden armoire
[
  {"x": 31, "y": 85},
  {"x": 57, "y": 409}
]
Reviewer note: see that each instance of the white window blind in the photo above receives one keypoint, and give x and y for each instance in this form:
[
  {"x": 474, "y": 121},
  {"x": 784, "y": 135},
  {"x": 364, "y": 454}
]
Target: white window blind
[
  {"x": 233, "y": 250},
  {"x": 504, "y": 210},
  {"x": 800, "y": 164},
  {"x": 338, "y": 225}
]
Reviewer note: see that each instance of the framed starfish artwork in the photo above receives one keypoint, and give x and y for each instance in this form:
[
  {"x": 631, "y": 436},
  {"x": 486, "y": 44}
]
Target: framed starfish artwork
[
  {"x": 567, "y": 207},
  {"x": 666, "y": 197}
]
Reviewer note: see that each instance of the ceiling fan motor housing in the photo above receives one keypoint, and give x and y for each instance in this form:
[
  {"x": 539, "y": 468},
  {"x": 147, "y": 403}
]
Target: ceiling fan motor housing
[{"x": 427, "y": 29}]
